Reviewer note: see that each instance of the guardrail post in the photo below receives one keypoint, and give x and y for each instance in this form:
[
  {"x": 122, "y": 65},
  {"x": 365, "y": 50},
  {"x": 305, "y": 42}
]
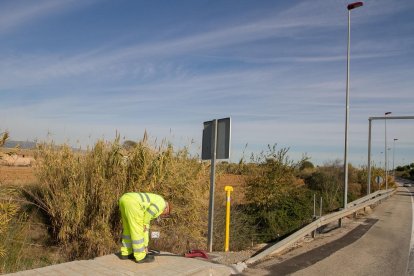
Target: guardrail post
[
  {"x": 320, "y": 208},
  {"x": 313, "y": 233}
]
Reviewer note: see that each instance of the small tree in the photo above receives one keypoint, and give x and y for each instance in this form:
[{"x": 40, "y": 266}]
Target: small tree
[
  {"x": 306, "y": 165},
  {"x": 3, "y": 138}
]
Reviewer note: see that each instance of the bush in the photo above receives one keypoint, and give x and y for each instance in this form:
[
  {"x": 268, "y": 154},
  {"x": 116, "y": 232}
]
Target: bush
[
  {"x": 306, "y": 165},
  {"x": 275, "y": 203},
  {"x": 242, "y": 227},
  {"x": 406, "y": 171},
  {"x": 326, "y": 182}
]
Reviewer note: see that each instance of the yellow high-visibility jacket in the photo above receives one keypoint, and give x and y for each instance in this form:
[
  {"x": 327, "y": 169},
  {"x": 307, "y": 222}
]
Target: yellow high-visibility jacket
[
  {"x": 153, "y": 205},
  {"x": 137, "y": 210}
]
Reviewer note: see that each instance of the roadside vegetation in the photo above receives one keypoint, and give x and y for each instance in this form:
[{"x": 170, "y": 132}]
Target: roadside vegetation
[
  {"x": 76, "y": 197},
  {"x": 8, "y": 209},
  {"x": 79, "y": 193},
  {"x": 25, "y": 242},
  {"x": 406, "y": 171}
]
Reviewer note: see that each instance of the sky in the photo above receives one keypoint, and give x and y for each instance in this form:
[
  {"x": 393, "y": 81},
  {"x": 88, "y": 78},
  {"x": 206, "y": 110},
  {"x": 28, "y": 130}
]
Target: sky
[{"x": 78, "y": 71}]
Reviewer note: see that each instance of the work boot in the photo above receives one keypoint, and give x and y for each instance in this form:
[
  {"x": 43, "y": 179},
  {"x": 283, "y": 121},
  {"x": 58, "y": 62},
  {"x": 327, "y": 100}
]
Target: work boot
[
  {"x": 129, "y": 257},
  {"x": 147, "y": 259}
]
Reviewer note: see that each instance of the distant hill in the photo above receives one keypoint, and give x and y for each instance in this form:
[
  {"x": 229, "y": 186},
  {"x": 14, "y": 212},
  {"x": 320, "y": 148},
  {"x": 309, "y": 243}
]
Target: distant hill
[{"x": 22, "y": 144}]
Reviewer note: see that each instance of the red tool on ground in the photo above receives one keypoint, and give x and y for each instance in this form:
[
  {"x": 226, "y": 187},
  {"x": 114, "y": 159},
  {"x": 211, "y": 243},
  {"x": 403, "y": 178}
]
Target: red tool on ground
[{"x": 196, "y": 253}]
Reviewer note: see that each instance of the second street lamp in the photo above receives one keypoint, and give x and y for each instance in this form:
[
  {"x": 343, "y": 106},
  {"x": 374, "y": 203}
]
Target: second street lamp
[
  {"x": 385, "y": 151},
  {"x": 393, "y": 157},
  {"x": 349, "y": 7}
]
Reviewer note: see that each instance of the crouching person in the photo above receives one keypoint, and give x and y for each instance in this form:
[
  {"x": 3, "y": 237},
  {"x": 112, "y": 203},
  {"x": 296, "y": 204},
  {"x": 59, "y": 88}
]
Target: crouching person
[{"x": 137, "y": 210}]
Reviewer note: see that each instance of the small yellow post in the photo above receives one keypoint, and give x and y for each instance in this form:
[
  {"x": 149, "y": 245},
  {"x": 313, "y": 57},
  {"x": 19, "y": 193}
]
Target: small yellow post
[{"x": 228, "y": 190}]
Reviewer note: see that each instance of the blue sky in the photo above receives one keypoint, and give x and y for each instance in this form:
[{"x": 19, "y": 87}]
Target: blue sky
[{"x": 77, "y": 71}]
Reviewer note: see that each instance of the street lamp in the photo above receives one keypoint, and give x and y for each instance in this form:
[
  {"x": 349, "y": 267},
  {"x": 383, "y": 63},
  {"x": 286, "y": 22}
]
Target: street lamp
[
  {"x": 386, "y": 160},
  {"x": 393, "y": 157},
  {"x": 349, "y": 7}
]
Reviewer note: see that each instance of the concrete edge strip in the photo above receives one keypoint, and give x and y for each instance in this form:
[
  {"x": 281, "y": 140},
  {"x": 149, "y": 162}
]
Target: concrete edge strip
[{"x": 410, "y": 264}]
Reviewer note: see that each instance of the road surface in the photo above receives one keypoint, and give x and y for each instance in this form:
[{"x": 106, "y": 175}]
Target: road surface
[{"x": 380, "y": 246}]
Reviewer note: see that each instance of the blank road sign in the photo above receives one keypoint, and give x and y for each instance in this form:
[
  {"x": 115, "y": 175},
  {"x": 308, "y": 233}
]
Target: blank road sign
[
  {"x": 223, "y": 139},
  {"x": 378, "y": 179}
]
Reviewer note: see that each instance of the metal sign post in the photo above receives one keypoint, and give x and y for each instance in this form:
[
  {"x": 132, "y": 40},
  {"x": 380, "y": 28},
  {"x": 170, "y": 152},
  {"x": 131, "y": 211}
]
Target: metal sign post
[
  {"x": 212, "y": 186},
  {"x": 215, "y": 145}
]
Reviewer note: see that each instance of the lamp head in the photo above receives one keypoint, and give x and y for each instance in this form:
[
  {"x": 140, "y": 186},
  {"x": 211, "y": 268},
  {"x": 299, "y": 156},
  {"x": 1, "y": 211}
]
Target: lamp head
[{"x": 354, "y": 5}]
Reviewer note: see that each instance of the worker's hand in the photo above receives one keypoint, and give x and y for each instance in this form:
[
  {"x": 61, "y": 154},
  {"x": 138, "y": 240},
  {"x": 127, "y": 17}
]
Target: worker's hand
[
  {"x": 145, "y": 228},
  {"x": 146, "y": 249}
]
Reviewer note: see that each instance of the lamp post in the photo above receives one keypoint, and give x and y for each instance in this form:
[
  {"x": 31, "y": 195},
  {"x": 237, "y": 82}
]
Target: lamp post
[
  {"x": 393, "y": 157},
  {"x": 385, "y": 151},
  {"x": 380, "y": 162},
  {"x": 349, "y": 7}
]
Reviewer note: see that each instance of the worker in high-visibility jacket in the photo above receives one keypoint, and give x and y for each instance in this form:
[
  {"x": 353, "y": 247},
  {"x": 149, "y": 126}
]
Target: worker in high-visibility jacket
[{"x": 137, "y": 210}]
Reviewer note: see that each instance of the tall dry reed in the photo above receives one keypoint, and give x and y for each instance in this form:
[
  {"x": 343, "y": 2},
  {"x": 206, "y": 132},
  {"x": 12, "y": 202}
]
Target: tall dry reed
[
  {"x": 10, "y": 230},
  {"x": 79, "y": 192}
]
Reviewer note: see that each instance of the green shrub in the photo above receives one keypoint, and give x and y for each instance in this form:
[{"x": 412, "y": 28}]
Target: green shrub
[
  {"x": 276, "y": 204},
  {"x": 306, "y": 164},
  {"x": 242, "y": 225},
  {"x": 327, "y": 182},
  {"x": 406, "y": 171}
]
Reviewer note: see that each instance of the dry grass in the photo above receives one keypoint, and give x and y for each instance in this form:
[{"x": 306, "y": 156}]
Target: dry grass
[
  {"x": 8, "y": 211},
  {"x": 79, "y": 193},
  {"x": 25, "y": 240},
  {"x": 17, "y": 175},
  {"x": 8, "y": 208}
]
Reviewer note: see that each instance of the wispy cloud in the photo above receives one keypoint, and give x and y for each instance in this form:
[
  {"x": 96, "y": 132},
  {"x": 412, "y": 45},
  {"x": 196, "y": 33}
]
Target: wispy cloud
[
  {"x": 15, "y": 14},
  {"x": 297, "y": 20},
  {"x": 280, "y": 76}
]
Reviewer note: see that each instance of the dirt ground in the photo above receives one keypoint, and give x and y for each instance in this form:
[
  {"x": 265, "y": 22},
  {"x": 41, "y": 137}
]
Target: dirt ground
[{"x": 17, "y": 175}]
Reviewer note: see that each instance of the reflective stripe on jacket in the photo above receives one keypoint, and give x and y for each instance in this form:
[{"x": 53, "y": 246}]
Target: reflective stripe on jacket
[{"x": 153, "y": 206}]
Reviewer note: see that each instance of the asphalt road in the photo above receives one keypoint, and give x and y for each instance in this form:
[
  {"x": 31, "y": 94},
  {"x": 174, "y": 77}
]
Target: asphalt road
[{"x": 380, "y": 246}]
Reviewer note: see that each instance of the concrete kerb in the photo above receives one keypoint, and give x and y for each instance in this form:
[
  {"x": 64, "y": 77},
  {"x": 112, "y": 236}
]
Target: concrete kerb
[
  {"x": 111, "y": 265},
  {"x": 169, "y": 264}
]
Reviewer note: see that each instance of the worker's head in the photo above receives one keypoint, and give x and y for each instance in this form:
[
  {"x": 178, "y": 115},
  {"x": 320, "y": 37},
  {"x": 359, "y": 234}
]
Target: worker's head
[{"x": 167, "y": 210}]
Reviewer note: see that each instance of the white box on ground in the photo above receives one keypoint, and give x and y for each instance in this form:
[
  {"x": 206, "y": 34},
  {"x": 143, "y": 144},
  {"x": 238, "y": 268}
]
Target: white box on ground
[{"x": 155, "y": 235}]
